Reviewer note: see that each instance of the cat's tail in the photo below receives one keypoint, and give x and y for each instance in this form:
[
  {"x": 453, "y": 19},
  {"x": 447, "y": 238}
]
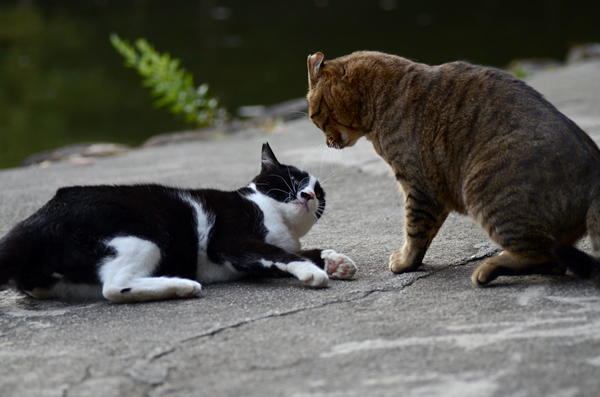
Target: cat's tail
[
  {"x": 580, "y": 263},
  {"x": 16, "y": 251}
]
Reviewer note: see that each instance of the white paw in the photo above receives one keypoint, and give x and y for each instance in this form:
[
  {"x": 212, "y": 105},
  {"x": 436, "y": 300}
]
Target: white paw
[
  {"x": 309, "y": 274},
  {"x": 317, "y": 279},
  {"x": 338, "y": 265},
  {"x": 188, "y": 289}
]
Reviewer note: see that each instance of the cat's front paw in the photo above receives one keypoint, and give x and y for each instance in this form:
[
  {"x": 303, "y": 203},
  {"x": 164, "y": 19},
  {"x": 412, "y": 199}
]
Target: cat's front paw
[
  {"x": 401, "y": 262},
  {"x": 338, "y": 265},
  {"x": 316, "y": 278},
  {"x": 309, "y": 274},
  {"x": 188, "y": 289}
]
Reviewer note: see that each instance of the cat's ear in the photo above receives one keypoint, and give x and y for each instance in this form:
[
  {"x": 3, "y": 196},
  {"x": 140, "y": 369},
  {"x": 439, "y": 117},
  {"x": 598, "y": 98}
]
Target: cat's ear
[
  {"x": 268, "y": 159},
  {"x": 315, "y": 64}
]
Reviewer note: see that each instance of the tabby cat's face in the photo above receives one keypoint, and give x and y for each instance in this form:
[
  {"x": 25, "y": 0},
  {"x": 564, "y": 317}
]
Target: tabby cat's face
[{"x": 333, "y": 104}]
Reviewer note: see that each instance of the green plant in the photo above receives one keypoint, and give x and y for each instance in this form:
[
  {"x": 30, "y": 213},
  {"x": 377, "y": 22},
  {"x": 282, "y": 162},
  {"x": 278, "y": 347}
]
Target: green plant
[{"x": 171, "y": 84}]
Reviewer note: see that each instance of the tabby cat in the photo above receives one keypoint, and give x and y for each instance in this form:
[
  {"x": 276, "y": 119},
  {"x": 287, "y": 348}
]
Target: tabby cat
[
  {"x": 149, "y": 242},
  {"x": 474, "y": 140}
]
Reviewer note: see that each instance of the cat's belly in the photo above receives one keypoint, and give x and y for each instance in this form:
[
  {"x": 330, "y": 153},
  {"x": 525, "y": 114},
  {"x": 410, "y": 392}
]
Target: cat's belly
[{"x": 209, "y": 272}]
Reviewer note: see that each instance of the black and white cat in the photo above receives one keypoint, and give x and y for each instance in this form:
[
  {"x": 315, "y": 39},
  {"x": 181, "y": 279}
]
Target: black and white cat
[{"x": 149, "y": 242}]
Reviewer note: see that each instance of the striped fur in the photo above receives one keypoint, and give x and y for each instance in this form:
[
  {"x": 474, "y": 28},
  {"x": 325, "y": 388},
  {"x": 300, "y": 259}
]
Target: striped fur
[{"x": 469, "y": 139}]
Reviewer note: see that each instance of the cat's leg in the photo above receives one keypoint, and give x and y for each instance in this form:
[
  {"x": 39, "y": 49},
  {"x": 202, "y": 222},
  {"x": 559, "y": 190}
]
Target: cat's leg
[
  {"x": 305, "y": 271},
  {"x": 423, "y": 219},
  {"x": 580, "y": 263},
  {"x": 336, "y": 265},
  {"x": 253, "y": 256},
  {"x": 127, "y": 276},
  {"x": 511, "y": 264}
]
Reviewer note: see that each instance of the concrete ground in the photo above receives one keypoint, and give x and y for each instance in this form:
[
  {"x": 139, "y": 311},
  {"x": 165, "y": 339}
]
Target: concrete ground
[{"x": 427, "y": 333}]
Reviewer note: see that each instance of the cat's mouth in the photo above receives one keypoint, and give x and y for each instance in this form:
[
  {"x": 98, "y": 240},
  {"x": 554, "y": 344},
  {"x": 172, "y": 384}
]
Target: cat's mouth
[
  {"x": 340, "y": 139},
  {"x": 305, "y": 206},
  {"x": 334, "y": 144}
]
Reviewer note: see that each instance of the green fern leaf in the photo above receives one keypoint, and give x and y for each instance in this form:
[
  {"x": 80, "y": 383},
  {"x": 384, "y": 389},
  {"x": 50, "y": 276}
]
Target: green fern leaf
[{"x": 171, "y": 85}]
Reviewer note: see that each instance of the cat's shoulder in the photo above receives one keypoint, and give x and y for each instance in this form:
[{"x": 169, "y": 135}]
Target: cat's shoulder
[{"x": 220, "y": 201}]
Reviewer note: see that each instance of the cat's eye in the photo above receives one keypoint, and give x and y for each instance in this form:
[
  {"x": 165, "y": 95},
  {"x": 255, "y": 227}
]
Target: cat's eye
[{"x": 296, "y": 180}]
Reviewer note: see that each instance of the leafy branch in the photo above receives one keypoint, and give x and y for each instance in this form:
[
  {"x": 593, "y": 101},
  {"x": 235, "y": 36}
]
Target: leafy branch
[{"x": 171, "y": 84}]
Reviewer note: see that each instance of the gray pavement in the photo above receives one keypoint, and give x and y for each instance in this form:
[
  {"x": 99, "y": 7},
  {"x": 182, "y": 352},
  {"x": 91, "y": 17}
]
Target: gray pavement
[{"x": 427, "y": 333}]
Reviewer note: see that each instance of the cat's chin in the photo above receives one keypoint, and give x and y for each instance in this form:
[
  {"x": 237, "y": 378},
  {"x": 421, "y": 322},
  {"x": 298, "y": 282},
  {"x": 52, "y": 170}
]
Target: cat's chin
[
  {"x": 334, "y": 145},
  {"x": 344, "y": 140},
  {"x": 305, "y": 210},
  {"x": 341, "y": 145}
]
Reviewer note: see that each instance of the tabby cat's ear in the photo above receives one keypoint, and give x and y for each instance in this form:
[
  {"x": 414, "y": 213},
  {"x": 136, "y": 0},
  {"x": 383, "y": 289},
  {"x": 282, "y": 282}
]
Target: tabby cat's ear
[
  {"x": 268, "y": 159},
  {"x": 315, "y": 63}
]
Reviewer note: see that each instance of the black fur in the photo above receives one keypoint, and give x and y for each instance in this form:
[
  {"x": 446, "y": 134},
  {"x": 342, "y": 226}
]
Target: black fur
[
  {"x": 67, "y": 238},
  {"x": 580, "y": 263}
]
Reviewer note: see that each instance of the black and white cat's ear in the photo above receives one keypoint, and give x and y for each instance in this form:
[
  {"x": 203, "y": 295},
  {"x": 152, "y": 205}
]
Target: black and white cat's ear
[
  {"x": 315, "y": 64},
  {"x": 268, "y": 159}
]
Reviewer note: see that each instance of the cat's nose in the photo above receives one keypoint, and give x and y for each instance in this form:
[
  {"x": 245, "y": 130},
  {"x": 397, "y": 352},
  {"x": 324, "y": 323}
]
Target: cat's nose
[{"x": 307, "y": 195}]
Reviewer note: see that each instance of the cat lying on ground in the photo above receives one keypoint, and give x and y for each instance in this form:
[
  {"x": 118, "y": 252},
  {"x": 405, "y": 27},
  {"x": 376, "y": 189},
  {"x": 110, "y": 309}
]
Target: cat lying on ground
[
  {"x": 149, "y": 242},
  {"x": 474, "y": 140}
]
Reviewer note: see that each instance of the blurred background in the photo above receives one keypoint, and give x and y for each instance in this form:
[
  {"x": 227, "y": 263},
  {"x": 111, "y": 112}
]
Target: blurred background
[{"x": 62, "y": 82}]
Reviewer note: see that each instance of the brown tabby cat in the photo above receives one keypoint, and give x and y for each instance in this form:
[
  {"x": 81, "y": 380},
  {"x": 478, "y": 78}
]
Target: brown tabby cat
[{"x": 469, "y": 139}]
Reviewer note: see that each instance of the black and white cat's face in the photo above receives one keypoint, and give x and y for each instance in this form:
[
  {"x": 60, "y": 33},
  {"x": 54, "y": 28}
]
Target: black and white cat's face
[{"x": 300, "y": 194}]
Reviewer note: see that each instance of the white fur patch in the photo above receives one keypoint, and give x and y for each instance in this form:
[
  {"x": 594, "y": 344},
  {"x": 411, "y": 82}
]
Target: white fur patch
[
  {"x": 209, "y": 272},
  {"x": 287, "y": 222},
  {"x": 126, "y": 277},
  {"x": 305, "y": 271},
  {"x": 135, "y": 257},
  {"x": 275, "y": 214},
  {"x": 204, "y": 225}
]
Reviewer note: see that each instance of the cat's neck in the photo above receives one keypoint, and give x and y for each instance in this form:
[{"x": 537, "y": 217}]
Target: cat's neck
[{"x": 285, "y": 230}]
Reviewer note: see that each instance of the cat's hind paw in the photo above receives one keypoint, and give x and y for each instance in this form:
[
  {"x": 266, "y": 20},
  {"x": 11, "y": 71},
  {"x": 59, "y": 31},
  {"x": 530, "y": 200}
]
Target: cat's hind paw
[
  {"x": 152, "y": 288},
  {"x": 338, "y": 266}
]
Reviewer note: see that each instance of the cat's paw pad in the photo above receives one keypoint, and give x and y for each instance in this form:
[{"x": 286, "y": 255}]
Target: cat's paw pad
[
  {"x": 338, "y": 265},
  {"x": 188, "y": 289}
]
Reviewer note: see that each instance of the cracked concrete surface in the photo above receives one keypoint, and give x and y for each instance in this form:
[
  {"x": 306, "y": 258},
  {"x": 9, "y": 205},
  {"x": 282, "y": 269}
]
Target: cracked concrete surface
[{"x": 425, "y": 333}]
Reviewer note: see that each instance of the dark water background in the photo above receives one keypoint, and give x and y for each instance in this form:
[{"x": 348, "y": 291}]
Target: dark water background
[{"x": 61, "y": 82}]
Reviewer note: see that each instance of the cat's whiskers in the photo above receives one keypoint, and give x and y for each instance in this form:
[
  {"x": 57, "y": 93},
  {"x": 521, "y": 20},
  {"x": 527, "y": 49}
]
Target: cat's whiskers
[
  {"x": 299, "y": 115},
  {"x": 330, "y": 176},
  {"x": 286, "y": 183},
  {"x": 277, "y": 190},
  {"x": 302, "y": 181},
  {"x": 294, "y": 188},
  {"x": 332, "y": 173},
  {"x": 322, "y": 216}
]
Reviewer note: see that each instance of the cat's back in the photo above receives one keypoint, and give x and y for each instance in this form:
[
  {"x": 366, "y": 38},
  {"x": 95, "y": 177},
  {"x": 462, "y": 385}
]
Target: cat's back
[
  {"x": 487, "y": 108},
  {"x": 461, "y": 102},
  {"x": 466, "y": 120},
  {"x": 396, "y": 83},
  {"x": 149, "y": 210},
  {"x": 467, "y": 88},
  {"x": 115, "y": 193}
]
